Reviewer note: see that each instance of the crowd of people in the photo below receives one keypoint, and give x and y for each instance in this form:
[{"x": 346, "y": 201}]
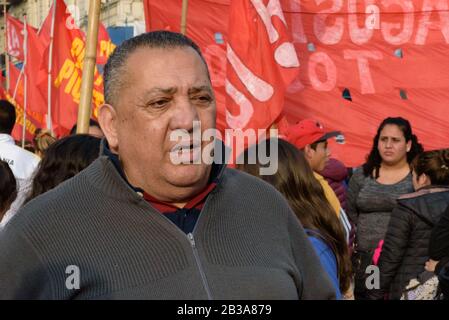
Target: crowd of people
[{"x": 112, "y": 203}]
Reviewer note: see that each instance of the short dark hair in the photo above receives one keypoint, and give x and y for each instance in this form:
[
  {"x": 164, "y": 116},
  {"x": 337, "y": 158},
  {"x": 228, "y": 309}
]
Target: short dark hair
[
  {"x": 114, "y": 72},
  {"x": 7, "y": 116},
  {"x": 8, "y": 188},
  {"x": 92, "y": 123},
  {"x": 315, "y": 144}
]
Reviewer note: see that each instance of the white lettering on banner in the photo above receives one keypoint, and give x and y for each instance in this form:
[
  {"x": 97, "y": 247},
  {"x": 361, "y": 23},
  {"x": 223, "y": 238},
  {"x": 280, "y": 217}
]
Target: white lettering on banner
[
  {"x": 328, "y": 34},
  {"x": 331, "y": 71},
  {"x": 285, "y": 55},
  {"x": 260, "y": 89},
  {"x": 407, "y": 29},
  {"x": 266, "y": 13},
  {"x": 215, "y": 57},
  {"x": 74, "y": 15},
  {"x": 246, "y": 107},
  {"x": 366, "y": 81},
  {"x": 360, "y": 35},
  {"x": 13, "y": 41},
  {"x": 424, "y": 24}
]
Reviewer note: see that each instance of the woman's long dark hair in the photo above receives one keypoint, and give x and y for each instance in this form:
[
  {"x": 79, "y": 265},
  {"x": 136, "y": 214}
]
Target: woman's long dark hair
[
  {"x": 8, "y": 188},
  {"x": 62, "y": 160},
  {"x": 296, "y": 181},
  {"x": 374, "y": 159}
]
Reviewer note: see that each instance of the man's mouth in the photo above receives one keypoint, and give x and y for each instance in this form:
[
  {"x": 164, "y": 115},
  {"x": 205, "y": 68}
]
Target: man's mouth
[{"x": 186, "y": 147}]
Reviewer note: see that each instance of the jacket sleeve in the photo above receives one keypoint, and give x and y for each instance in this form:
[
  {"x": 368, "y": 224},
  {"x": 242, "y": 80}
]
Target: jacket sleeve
[
  {"x": 355, "y": 184},
  {"x": 315, "y": 283},
  {"x": 393, "y": 249},
  {"x": 439, "y": 239},
  {"x": 22, "y": 275}
]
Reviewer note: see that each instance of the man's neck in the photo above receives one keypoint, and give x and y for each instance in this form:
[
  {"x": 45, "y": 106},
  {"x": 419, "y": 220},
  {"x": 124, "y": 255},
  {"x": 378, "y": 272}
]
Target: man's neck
[{"x": 179, "y": 196}]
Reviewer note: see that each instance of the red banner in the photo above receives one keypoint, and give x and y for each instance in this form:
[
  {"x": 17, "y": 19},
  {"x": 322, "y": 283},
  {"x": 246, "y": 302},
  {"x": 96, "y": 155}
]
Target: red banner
[
  {"x": 67, "y": 65},
  {"x": 37, "y": 96},
  {"x": 34, "y": 120},
  {"x": 15, "y": 36},
  {"x": 262, "y": 62},
  {"x": 104, "y": 45},
  {"x": 360, "y": 62}
]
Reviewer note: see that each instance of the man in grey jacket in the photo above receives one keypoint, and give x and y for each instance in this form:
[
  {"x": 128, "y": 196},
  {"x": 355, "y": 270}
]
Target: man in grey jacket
[{"x": 137, "y": 225}]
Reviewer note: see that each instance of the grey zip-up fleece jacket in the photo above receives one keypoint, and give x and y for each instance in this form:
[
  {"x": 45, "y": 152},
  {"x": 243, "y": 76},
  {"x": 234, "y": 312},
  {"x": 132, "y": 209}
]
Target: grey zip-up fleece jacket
[{"x": 94, "y": 232}]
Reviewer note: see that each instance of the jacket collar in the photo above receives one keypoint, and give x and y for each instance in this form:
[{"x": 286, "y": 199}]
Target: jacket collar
[
  {"x": 425, "y": 190},
  {"x": 216, "y": 173}
]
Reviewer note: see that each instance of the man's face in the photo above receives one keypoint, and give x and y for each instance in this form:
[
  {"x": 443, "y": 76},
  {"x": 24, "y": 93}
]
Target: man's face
[
  {"x": 319, "y": 157},
  {"x": 166, "y": 90}
]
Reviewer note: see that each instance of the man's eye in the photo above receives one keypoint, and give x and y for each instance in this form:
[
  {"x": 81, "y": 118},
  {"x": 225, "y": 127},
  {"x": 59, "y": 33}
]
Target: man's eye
[
  {"x": 202, "y": 99},
  {"x": 159, "y": 103}
]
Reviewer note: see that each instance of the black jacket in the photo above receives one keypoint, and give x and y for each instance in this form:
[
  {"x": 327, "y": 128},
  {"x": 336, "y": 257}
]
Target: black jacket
[
  {"x": 439, "y": 242},
  {"x": 405, "y": 249}
]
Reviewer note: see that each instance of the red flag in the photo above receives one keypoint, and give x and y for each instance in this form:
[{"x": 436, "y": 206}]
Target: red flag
[
  {"x": 67, "y": 64},
  {"x": 16, "y": 84},
  {"x": 104, "y": 46},
  {"x": 262, "y": 62},
  {"x": 15, "y": 37},
  {"x": 34, "y": 120},
  {"x": 37, "y": 95},
  {"x": 2, "y": 86}
]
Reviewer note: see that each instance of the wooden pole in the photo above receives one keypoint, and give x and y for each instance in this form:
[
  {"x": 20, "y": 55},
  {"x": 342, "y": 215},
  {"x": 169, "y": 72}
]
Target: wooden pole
[
  {"x": 4, "y": 3},
  {"x": 89, "y": 67},
  {"x": 50, "y": 62},
  {"x": 185, "y": 4}
]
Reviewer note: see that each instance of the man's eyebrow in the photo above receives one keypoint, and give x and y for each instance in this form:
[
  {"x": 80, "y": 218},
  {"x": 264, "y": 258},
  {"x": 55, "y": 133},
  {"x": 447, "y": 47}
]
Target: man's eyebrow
[
  {"x": 161, "y": 90},
  {"x": 199, "y": 89}
]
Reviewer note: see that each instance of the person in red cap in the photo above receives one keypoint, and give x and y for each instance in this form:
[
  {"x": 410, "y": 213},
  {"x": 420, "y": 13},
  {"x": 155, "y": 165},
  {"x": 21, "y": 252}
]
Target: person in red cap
[{"x": 309, "y": 136}]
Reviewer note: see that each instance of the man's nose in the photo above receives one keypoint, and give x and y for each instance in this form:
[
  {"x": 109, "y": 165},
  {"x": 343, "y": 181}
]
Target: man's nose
[{"x": 185, "y": 114}]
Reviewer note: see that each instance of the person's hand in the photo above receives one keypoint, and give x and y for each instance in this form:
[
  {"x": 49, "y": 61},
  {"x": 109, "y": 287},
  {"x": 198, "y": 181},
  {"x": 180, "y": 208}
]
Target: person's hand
[{"x": 430, "y": 265}]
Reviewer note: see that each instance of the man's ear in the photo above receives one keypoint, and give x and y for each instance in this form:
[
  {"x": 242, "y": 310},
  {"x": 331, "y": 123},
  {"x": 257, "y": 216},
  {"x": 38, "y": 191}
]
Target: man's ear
[
  {"x": 308, "y": 152},
  {"x": 107, "y": 117}
]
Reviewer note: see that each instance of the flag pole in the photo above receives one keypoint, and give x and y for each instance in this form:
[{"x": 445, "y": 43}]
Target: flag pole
[
  {"x": 185, "y": 4},
  {"x": 5, "y": 3},
  {"x": 25, "y": 53},
  {"x": 88, "y": 67},
  {"x": 50, "y": 62},
  {"x": 17, "y": 84}
]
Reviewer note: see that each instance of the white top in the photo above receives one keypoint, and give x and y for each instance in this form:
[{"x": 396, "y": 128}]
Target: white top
[{"x": 23, "y": 164}]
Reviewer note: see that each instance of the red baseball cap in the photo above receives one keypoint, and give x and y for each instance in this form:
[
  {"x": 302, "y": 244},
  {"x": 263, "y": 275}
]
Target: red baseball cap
[{"x": 307, "y": 132}]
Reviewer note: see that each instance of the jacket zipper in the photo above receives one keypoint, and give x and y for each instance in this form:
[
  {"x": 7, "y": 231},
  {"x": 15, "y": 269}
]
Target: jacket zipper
[{"x": 198, "y": 263}]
